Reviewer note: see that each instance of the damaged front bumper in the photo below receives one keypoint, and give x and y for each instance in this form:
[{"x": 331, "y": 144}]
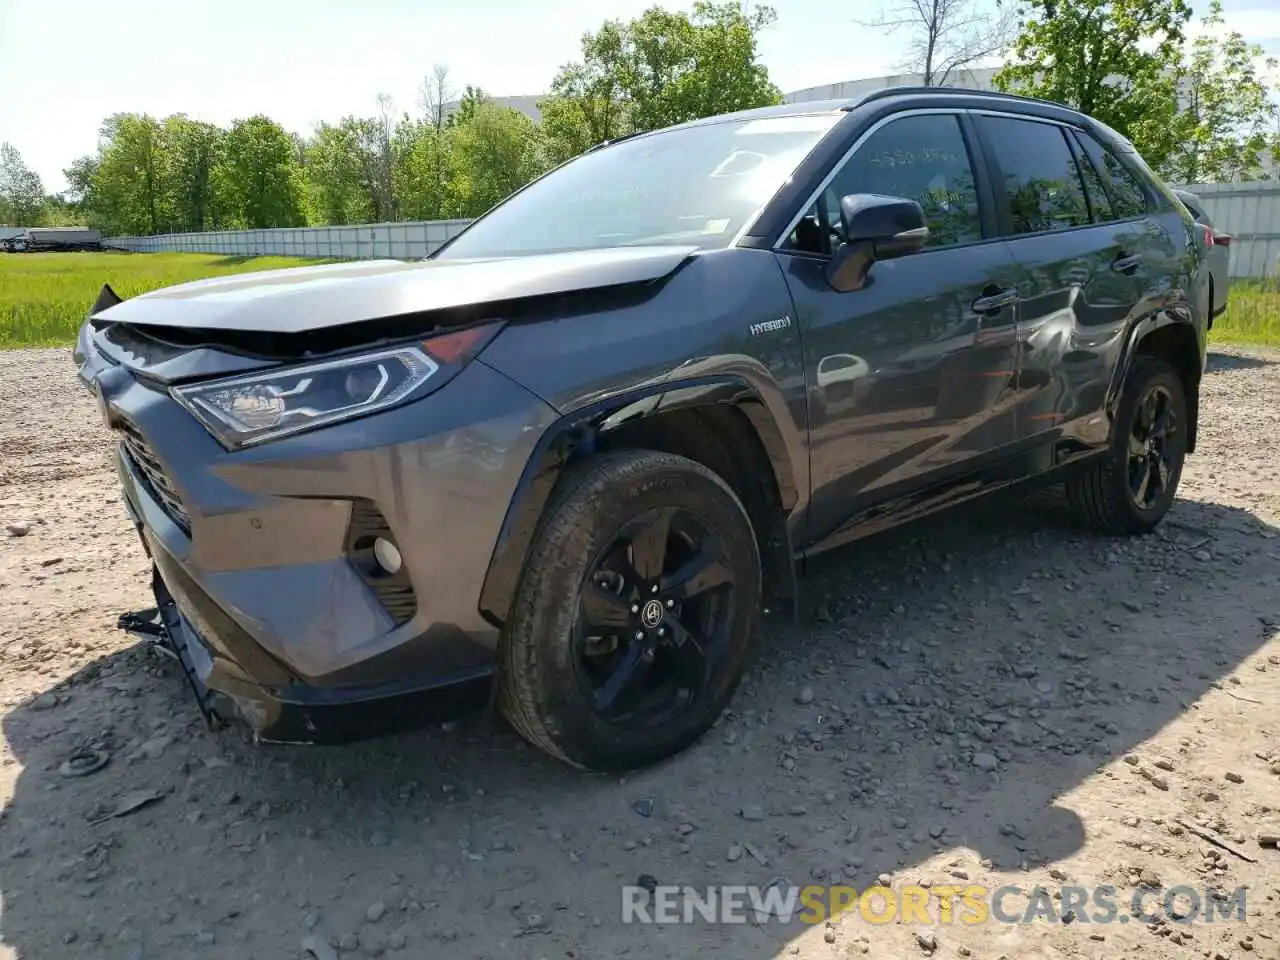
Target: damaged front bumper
[{"x": 294, "y": 713}]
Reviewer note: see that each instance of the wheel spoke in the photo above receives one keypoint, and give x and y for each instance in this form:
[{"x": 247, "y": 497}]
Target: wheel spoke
[
  {"x": 630, "y": 667},
  {"x": 604, "y": 608},
  {"x": 1144, "y": 483},
  {"x": 688, "y": 657},
  {"x": 1162, "y": 474},
  {"x": 1147, "y": 413},
  {"x": 1163, "y": 425},
  {"x": 649, "y": 546},
  {"x": 702, "y": 572},
  {"x": 681, "y": 635},
  {"x": 1136, "y": 447}
]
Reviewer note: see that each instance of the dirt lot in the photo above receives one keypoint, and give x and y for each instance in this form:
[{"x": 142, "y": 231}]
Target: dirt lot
[{"x": 991, "y": 698}]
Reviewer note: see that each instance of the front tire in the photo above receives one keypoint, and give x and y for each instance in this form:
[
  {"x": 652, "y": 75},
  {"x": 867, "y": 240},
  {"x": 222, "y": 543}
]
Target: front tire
[
  {"x": 629, "y": 631},
  {"x": 1131, "y": 489}
]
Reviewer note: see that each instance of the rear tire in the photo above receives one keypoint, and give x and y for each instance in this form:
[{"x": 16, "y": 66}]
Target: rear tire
[
  {"x": 1132, "y": 487},
  {"x": 609, "y": 661}
]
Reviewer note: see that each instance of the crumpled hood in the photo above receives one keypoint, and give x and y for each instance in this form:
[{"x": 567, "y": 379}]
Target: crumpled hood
[{"x": 300, "y": 299}]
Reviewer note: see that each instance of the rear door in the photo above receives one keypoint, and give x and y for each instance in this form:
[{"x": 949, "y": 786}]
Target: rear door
[
  {"x": 906, "y": 377},
  {"x": 1079, "y": 271}
]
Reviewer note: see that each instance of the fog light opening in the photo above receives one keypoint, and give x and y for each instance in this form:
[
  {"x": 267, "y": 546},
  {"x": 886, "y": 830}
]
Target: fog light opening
[{"x": 387, "y": 555}]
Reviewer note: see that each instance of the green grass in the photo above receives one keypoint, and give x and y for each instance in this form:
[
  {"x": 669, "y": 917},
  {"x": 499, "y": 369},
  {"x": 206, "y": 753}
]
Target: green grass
[
  {"x": 1253, "y": 315},
  {"x": 44, "y": 296}
]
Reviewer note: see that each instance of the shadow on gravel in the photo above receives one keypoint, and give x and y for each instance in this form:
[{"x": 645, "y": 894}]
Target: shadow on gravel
[
  {"x": 1230, "y": 362},
  {"x": 954, "y": 680}
]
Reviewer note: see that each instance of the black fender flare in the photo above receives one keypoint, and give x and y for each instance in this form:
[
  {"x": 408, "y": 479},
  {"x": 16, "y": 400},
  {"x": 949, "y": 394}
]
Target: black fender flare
[
  {"x": 1191, "y": 348},
  {"x": 577, "y": 433}
]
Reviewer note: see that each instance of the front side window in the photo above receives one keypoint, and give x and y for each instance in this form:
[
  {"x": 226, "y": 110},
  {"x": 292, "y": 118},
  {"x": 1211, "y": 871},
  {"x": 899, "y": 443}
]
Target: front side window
[
  {"x": 696, "y": 185},
  {"x": 1128, "y": 199},
  {"x": 1041, "y": 179},
  {"x": 923, "y": 158}
]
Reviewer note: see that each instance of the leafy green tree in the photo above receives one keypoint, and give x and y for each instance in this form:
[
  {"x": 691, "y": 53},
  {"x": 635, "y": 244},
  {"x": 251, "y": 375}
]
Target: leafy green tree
[
  {"x": 1228, "y": 119},
  {"x": 569, "y": 127},
  {"x": 21, "y": 193},
  {"x": 472, "y": 99},
  {"x": 192, "y": 148},
  {"x": 1116, "y": 60},
  {"x": 81, "y": 176},
  {"x": 659, "y": 69},
  {"x": 335, "y": 190},
  {"x": 258, "y": 175},
  {"x": 686, "y": 66},
  {"x": 422, "y": 149},
  {"x": 130, "y": 186},
  {"x": 60, "y": 211},
  {"x": 422, "y": 152},
  {"x": 495, "y": 151}
]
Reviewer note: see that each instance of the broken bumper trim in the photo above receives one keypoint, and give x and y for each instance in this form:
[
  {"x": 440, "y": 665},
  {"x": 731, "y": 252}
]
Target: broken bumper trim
[{"x": 296, "y": 713}]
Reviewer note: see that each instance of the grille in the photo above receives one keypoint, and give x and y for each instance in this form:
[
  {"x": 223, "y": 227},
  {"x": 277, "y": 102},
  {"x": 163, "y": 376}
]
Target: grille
[
  {"x": 153, "y": 474},
  {"x": 393, "y": 590}
]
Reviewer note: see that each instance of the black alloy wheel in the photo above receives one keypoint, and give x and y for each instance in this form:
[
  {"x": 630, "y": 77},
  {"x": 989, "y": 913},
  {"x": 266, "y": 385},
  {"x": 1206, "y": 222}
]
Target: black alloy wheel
[
  {"x": 1130, "y": 487},
  {"x": 1153, "y": 453},
  {"x": 654, "y": 617},
  {"x": 630, "y": 628}
]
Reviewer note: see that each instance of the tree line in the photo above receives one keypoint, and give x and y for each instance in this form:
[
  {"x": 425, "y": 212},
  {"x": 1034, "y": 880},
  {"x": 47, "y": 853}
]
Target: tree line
[{"x": 1198, "y": 111}]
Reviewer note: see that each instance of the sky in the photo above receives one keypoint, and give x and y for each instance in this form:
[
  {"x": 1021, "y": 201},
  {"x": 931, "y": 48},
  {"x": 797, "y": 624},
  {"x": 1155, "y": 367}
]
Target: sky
[{"x": 67, "y": 64}]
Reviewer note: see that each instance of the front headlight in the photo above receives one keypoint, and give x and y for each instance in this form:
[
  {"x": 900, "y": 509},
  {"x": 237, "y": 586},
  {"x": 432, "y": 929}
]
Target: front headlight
[{"x": 250, "y": 409}]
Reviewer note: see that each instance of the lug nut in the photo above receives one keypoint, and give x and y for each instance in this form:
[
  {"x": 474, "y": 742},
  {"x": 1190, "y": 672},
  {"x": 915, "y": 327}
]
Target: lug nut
[
  {"x": 635, "y": 608},
  {"x": 670, "y": 604},
  {"x": 639, "y": 634},
  {"x": 655, "y": 589}
]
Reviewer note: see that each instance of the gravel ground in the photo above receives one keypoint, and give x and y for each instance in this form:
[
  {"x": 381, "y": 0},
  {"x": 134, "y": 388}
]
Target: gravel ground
[{"x": 988, "y": 698}]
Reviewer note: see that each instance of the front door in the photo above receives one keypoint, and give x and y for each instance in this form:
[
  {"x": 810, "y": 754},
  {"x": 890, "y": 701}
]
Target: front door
[{"x": 909, "y": 377}]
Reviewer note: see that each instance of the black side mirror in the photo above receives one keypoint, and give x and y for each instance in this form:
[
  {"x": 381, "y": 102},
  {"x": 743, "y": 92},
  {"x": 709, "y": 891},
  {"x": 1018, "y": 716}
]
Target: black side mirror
[{"x": 876, "y": 227}]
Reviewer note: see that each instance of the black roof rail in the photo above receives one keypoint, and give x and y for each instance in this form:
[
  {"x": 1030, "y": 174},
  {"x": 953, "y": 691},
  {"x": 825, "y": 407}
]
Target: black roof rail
[
  {"x": 608, "y": 143},
  {"x": 886, "y": 92}
]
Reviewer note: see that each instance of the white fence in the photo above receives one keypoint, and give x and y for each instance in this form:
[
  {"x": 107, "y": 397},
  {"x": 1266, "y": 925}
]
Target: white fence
[
  {"x": 369, "y": 241},
  {"x": 1250, "y": 212}
]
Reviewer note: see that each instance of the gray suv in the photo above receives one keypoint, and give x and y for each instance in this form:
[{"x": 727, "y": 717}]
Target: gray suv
[{"x": 561, "y": 463}]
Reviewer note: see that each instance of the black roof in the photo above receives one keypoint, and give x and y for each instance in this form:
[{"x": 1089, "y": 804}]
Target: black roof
[
  {"x": 807, "y": 107},
  {"x": 940, "y": 96}
]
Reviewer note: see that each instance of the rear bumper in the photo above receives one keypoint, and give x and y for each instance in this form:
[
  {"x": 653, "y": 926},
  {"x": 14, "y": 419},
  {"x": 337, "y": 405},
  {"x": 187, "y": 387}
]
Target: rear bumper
[{"x": 255, "y": 578}]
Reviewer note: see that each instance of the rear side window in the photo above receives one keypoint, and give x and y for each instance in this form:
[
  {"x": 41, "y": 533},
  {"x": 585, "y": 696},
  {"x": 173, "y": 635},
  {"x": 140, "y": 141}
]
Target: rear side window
[
  {"x": 923, "y": 158},
  {"x": 1095, "y": 190},
  {"x": 1128, "y": 199},
  {"x": 1041, "y": 179}
]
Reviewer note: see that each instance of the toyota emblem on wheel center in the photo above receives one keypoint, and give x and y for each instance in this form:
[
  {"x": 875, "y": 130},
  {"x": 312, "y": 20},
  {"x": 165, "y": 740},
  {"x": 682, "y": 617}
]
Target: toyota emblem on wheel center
[{"x": 651, "y": 615}]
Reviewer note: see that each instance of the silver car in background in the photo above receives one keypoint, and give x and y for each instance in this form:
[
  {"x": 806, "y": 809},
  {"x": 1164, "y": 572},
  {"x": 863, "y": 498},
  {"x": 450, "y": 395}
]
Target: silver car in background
[{"x": 1218, "y": 256}]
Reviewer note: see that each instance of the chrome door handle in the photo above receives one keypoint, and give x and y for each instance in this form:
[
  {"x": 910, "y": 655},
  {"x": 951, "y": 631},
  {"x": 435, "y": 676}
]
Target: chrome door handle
[{"x": 995, "y": 302}]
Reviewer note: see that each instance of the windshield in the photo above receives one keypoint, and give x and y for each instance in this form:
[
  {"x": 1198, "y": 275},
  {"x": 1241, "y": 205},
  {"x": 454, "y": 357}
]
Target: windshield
[{"x": 695, "y": 185}]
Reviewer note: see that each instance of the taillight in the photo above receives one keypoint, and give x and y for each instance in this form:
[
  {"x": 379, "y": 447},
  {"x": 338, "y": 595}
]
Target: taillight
[
  {"x": 1208, "y": 236},
  {"x": 1222, "y": 239}
]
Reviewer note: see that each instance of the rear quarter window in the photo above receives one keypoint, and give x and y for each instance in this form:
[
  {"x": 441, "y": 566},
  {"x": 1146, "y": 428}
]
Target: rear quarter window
[{"x": 1127, "y": 194}]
